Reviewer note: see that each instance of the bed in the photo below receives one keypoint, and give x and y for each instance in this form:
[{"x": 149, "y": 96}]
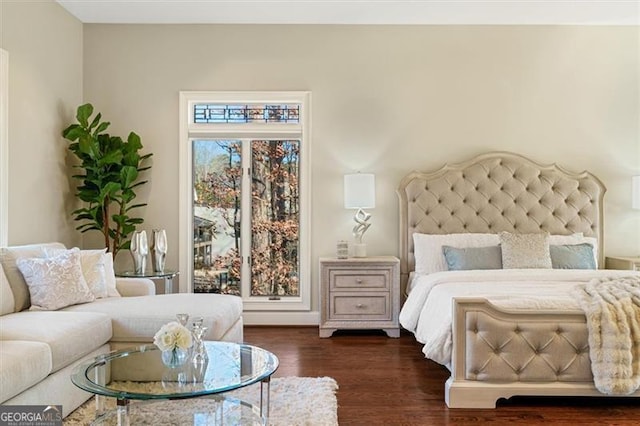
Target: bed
[{"x": 503, "y": 332}]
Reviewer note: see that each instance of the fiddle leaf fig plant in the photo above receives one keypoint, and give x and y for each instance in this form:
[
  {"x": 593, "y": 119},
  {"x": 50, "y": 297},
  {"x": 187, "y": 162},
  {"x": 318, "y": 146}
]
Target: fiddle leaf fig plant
[{"x": 110, "y": 174}]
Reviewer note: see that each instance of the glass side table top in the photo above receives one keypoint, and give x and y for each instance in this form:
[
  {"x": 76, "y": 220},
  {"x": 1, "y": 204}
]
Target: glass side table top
[
  {"x": 230, "y": 366},
  {"x": 167, "y": 273}
]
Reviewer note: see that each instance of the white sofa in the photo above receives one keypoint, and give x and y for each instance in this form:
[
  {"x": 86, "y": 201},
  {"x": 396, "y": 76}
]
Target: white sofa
[{"x": 39, "y": 349}]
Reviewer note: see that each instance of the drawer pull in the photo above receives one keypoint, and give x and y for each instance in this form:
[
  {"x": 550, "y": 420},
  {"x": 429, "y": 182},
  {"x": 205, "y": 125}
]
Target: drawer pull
[
  {"x": 359, "y": 280},
  {"x": 359, "y": 306}
]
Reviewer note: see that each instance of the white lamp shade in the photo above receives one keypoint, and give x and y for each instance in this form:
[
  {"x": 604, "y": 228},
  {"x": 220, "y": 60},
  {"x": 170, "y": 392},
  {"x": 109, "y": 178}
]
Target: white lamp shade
[
  {"x": 635, "y": 192},
  {"x": 359, "y": 191}
]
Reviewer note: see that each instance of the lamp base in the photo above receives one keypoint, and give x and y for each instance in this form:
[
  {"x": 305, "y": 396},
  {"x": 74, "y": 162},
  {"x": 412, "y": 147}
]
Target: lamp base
[{"x": 360, "y": 250}]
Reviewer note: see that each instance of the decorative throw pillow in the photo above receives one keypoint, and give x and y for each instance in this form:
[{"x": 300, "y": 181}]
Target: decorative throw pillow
[
  {"x": 428, "y": 253},
  {"x": 55, "y": 282},
  {"x": 93, "y": 270},
  {"x": 576, "y": 256},
  {"x": 464, "y": 259},
  {"x": 9, "y": 257},
  {"x": 573, "y": 239},
  {"x": 522, "y": 251}
]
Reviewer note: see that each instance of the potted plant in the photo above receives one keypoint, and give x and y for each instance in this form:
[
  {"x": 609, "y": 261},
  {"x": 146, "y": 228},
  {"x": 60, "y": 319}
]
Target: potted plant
[{"x": 110, "y": 173}]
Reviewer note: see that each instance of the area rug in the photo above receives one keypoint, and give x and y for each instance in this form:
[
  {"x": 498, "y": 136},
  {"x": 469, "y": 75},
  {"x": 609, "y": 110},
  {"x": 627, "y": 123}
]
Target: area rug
[{"x": 294, "y": 401}]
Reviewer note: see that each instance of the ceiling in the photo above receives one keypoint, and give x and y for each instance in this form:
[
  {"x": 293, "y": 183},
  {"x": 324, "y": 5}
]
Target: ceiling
[{"x": 435, "y": 12}]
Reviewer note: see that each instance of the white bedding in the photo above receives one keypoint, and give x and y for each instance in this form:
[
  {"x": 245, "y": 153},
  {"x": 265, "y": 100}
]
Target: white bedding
[{"x": 427, "y": 313}]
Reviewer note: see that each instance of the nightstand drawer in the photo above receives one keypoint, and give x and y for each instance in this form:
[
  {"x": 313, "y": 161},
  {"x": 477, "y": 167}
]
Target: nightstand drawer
[
  {"x": 358, "y": 306},
  {"x": 347, "y": 279}
]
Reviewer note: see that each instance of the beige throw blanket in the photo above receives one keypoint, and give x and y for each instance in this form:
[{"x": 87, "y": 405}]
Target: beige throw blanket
[{"x": 612, "y": 309}]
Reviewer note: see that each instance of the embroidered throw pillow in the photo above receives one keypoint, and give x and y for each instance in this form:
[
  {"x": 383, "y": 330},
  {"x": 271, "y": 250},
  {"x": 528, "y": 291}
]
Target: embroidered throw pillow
[
  {"x": 92, "y": 263},
  {"x": 524, "y": 251},
  {"x": 55, "y": 282}
]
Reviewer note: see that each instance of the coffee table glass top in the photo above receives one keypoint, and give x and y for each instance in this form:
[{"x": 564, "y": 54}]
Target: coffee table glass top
[{"x": 138, "y": 373}]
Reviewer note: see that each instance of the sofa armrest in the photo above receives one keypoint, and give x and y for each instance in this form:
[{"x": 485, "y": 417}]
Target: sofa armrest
[{"x": 128, "y": 287}]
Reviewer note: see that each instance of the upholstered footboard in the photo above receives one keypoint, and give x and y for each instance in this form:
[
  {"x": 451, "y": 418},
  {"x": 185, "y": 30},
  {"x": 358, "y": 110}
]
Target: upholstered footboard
[{"x": 499, "y": 354}]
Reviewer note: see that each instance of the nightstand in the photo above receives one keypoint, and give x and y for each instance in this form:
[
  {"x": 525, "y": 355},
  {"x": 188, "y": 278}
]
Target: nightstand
[
  {"x": 617, "y": 262},
  {"x": 360, "y": 293}
]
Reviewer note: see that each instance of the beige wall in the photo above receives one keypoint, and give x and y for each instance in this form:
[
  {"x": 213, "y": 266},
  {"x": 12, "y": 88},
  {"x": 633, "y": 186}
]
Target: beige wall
[
  {"x": 387, "y": 99},
  {"x": 45, "y": 85}
]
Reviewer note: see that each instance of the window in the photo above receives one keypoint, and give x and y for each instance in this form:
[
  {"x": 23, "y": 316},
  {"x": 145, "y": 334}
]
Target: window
[{"x": 244, "y": 199}]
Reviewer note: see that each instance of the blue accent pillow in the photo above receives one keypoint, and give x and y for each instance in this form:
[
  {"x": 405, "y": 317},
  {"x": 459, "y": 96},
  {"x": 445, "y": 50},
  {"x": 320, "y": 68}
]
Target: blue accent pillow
[
  {"x": 572, "y": 256},
  {"x": 464, "y": 259}
]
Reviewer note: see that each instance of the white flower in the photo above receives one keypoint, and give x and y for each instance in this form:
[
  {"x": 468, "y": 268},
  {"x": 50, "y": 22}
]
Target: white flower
[{"x": 171, "y": 336}]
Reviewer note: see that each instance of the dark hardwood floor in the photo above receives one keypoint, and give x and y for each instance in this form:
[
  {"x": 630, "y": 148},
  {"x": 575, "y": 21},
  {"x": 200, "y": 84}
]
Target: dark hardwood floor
[{"x": 387, "y": 381}]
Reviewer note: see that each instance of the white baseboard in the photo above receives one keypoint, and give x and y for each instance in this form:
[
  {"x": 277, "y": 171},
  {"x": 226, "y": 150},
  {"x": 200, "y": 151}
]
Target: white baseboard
[{"x": 281, "y": 318}]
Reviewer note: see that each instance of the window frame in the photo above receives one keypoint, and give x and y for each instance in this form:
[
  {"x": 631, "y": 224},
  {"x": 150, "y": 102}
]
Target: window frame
[{"x": 190, "y": 131}]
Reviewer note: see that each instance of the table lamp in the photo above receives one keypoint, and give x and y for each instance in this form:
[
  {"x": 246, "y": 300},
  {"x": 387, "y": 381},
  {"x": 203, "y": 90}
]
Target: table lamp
[{"x": 360, "y": 193}]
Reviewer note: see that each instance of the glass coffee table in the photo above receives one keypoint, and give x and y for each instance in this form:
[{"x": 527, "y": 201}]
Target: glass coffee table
[{"x": 139, "y": 374}]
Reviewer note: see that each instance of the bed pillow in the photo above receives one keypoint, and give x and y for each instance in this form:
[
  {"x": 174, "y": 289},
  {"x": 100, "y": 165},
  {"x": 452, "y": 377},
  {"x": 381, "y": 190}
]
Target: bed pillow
[
  {"x": 525, "y": 251},
  {"x": 576, "y": 256},
  {"x": 463, "y": 259},
  {"x": 92, "y": 263},
  {"x": 55, "y": 282},
  {"x": 428, "y": 253}
]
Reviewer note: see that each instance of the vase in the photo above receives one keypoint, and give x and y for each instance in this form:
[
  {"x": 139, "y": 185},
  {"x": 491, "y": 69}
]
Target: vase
[
  {"x": 174, "y": 358},
  {"x": 139, "y": 249},
  {"x": 159, "y": 249}
]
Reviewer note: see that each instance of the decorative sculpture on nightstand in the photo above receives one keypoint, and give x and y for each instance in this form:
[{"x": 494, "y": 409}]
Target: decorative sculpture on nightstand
[
  {"x": 159, "y": 249},
  {"x": 362, "y": 224},
  {"x": 139, "y": 249}
]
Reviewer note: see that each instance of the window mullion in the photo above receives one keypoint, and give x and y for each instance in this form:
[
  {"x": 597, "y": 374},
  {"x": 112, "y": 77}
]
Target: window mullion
[{"x": 245, "y": 220}]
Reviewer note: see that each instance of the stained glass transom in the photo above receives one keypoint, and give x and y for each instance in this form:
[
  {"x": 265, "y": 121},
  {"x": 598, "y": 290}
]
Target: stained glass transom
[{"x": 246, "y": 113}]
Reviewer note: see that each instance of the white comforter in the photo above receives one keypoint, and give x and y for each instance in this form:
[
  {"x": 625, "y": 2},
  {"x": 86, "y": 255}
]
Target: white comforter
[{"x": 427, "y": 312}]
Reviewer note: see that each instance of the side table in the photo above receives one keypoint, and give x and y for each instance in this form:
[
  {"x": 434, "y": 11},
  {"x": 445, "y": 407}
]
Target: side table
[
  {"x": 360, "y": 293},
  {"x": 167, "y": 275},
  {"x": 617, "y": 262}
]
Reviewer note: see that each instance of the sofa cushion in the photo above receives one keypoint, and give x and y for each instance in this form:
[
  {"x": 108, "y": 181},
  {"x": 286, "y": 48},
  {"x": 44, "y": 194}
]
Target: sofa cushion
[
  {"x": 23, "y": 365},
  {"x": 70, "y": 335},
  {"x": 7, "y": 304},
  {"x": 8, "y": 258},
  {"x": 137, "y": 319},
  {"x": 130, "y": 287}
]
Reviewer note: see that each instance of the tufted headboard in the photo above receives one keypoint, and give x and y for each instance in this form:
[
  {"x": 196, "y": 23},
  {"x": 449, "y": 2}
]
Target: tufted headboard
[{"x": 496, "y": 192}]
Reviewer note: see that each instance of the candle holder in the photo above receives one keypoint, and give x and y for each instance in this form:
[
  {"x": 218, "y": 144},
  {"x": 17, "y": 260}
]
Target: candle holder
[{"x": 199, "y": 355}]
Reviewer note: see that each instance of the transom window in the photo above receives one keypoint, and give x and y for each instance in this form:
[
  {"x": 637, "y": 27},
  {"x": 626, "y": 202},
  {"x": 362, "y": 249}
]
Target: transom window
[{"x": 235, "y": 113}]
